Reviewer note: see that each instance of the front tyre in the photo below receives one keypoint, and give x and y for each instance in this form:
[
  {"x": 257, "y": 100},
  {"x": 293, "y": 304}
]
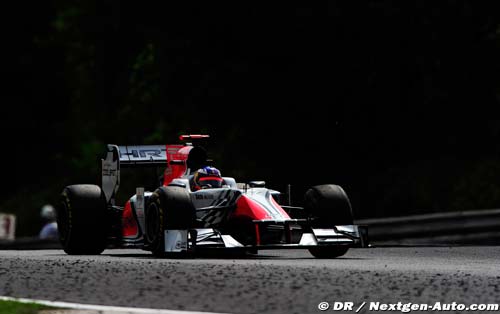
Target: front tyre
[
  {"x": 169, "y": 208},
  {"x": 82, "y": 220},
  {"x": 328, "y": 206}
]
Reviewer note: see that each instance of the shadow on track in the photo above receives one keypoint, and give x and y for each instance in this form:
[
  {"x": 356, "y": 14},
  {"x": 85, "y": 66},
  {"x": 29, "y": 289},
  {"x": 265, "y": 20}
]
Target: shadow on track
[{"x": 225, "y": 256}]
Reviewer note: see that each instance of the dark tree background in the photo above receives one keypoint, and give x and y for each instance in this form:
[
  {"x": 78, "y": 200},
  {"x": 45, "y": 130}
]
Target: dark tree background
[{"x": 394, "y": 100}]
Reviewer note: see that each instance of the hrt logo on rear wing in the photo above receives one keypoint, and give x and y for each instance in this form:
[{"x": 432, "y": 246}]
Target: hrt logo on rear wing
[
  {"x": 128, "y": 156},
  {"x": 143, "y": 155}
]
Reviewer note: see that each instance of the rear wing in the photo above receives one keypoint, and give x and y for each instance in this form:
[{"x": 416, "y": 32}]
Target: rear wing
[
  {"x": 175, "y": 158},
  {"x": 134, "y": 156}
]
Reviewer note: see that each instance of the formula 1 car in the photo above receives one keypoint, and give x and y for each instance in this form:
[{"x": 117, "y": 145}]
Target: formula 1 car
[{"x": 175, "y": 220}]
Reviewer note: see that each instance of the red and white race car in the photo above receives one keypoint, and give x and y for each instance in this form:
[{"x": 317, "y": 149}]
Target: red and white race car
[{"x": 175, "y": 220}]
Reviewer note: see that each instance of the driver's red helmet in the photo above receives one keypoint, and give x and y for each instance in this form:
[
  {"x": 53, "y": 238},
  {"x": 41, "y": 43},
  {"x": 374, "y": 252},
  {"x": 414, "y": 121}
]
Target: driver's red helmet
[{"x": 207, "y": 177}]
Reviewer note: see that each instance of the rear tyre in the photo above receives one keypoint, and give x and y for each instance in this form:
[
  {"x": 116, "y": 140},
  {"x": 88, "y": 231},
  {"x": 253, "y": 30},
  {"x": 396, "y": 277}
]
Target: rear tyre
[
  {"x": 169, "y": 208},
  {"x": 328, "y": 206},
  {"x": 82, "y": 220}
]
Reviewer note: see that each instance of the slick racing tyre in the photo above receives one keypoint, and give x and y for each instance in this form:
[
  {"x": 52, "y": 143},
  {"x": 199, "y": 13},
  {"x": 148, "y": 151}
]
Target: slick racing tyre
[
  {"x": 328, "y": 206},
  {"x": 82, "y": 220},
  {"x": 169, "y": 208}
]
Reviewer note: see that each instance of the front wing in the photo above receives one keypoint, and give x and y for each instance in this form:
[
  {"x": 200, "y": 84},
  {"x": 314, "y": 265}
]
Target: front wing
[{"x": 269, "y": 234}]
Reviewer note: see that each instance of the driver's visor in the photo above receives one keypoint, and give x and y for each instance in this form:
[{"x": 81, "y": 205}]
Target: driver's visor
[{"x": 210, "y": 182}]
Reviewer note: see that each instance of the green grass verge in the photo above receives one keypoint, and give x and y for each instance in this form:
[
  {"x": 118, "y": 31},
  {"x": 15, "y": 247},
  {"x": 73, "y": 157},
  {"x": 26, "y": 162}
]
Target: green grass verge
[{"x": 12, "y": 307}]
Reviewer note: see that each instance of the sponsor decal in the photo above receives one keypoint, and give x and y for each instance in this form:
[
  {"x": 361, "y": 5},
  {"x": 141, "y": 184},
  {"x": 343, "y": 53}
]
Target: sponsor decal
[
  {"x": 181, "y": 245},
  {"x": 109, "y": 172},
  {"x": 204, "y": 196}
]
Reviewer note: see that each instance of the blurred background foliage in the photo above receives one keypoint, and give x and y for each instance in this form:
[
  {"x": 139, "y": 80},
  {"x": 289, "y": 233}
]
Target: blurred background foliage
[{"x": 396, "y": 101}]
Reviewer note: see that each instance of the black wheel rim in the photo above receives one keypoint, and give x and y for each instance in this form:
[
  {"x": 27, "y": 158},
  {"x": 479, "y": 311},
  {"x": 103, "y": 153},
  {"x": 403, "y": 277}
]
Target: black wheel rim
[{"x": 152, "y": 223}]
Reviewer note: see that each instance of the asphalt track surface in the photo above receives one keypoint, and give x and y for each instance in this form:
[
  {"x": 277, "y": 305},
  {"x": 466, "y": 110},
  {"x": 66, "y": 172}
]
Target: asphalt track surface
[{"x": 272, "y": 282}]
